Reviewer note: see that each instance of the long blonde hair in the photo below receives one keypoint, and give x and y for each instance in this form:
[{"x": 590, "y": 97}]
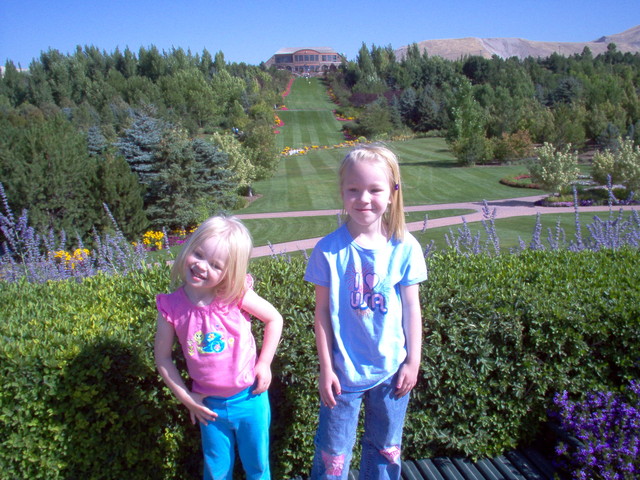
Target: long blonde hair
[
  {"x": 233, "y": 236},
  {"x": 393, "y": 218}
]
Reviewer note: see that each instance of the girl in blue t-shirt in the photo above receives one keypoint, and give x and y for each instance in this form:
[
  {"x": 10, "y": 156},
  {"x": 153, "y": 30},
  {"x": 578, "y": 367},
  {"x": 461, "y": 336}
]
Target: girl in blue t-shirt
[{"x": 367, "y": 319}]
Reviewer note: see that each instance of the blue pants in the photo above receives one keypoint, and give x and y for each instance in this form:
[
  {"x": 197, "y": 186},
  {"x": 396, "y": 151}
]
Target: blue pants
[
  {"x": 382, "y": 440},
  {"x": 243, "y": 420}
]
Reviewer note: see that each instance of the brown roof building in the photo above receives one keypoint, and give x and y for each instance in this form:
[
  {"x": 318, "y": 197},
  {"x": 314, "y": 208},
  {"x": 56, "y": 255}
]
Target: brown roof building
[{"x": 306, "y": 61}]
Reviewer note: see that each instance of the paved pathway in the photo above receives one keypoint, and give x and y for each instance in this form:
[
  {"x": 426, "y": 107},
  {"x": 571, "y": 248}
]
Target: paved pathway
[{"x": 511, "y": 207}]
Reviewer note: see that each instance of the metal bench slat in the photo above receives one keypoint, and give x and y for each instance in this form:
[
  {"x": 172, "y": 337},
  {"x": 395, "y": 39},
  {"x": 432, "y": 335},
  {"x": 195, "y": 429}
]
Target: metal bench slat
[
  {"x": 542, "y": 463},
  {"x": 526, "y": 467},
  {"x": 429, "y": 470},
  {"x": 410, "y": 471},
  {"x": 447, "y": 468},
  {"x": 468, "y": 469},
  {"x": 507, "y": 469},
  {"x": 489, "y": 470}
]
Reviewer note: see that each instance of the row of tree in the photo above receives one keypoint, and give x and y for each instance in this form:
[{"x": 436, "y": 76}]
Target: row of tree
[
  {"x": 488, "y": 107},
  {"x": 164, "y": 139},
  {"x": 167, "y": 138}
]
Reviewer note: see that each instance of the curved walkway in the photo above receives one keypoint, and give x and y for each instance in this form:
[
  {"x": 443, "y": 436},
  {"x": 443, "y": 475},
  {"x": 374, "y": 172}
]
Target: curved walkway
[{"x": 505, "y": 208}]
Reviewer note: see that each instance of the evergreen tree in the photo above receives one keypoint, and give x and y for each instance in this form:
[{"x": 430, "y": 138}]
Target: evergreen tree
[
  {"x": 13, "y": 84},
  {"x": 46, "y": 169},
  {"x": 118, "y": 188},
  {"x": 96, "y": 142},
  {"x": 193, "y": 183},
  {"x": 139, "y": 144}
]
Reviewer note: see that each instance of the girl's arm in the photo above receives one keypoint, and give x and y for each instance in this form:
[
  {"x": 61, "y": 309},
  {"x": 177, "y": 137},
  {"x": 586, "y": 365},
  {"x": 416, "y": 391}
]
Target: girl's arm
[
  {"x": 169, "y": 372},
  {"x": 412, "y": 325},
  {"x": 328, "y": 382},
  {"x": 260, "y": 308}
]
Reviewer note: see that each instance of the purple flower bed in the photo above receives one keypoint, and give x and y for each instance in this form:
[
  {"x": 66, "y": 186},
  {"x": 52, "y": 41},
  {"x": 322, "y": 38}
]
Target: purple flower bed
[{"x": 607, "y": 427}]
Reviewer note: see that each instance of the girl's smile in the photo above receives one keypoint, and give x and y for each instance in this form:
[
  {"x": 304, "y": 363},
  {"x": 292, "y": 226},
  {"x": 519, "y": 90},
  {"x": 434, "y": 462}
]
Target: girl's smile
[
  {"x": 366, "y": 194},
  {"x": 205, "y": 268}
]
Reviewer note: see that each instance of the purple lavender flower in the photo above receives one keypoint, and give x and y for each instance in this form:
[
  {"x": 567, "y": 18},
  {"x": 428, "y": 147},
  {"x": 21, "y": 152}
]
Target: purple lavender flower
[{"x": 607, "y": 427}]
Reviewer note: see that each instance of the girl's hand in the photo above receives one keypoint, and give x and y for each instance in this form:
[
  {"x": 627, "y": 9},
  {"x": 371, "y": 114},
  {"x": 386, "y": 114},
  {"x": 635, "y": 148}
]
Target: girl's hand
[
  {"x": 198, "y": 410},
  {"x": 263, "y": 378},
  {"x": 407, "y": 379},
  {"x": 328, "y": 386}
]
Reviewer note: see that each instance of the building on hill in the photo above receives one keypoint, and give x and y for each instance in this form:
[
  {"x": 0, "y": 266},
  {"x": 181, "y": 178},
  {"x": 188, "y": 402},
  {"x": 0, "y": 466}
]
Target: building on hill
[{"x": 310, "y": 61}]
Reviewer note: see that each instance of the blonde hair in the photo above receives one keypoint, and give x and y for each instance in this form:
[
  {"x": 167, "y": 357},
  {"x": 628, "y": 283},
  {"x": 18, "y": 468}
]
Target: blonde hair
[
  {"x": 393, "y": 218},
  {"x": 236, "y": 239}
]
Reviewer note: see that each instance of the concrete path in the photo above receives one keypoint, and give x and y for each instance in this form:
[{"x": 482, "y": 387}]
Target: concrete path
[{"x": 512, "y": 207}]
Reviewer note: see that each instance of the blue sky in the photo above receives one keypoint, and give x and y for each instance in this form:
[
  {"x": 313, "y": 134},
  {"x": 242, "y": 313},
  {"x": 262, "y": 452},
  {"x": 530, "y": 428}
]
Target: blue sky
[{"x": 251, "y": 31}]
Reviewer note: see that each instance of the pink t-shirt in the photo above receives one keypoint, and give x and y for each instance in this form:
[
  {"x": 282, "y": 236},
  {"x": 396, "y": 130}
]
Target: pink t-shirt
[{"x": 216, "y": 341}]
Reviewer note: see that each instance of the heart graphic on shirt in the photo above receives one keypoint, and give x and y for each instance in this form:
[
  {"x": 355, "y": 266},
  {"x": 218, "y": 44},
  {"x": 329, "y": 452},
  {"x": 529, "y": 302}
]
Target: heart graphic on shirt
[{"x": 371, "y": 279}]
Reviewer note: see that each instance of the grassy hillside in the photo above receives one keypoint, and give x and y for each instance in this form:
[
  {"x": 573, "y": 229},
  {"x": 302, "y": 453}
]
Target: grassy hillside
[{"x": 429, "y": 170}]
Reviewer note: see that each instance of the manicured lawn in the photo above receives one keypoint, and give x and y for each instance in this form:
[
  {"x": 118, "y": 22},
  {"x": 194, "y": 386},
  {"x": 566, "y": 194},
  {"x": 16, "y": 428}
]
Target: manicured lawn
[
  {"x": 277, "y": 230},
  {"x": 429, "y": 172},
  {"x": 310, "y": 181},
  {"x": 308, "y": 128},
  {"x": 308, "y": 119}
]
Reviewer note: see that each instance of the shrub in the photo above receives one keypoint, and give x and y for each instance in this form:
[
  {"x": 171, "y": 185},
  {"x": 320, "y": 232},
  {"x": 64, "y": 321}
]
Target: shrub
[
  {"x": 555, "y": 168},
  {"x": 622, "y": 164},
  {"x": 513, "y": 146},
  {"x": 77, "y": 372}
]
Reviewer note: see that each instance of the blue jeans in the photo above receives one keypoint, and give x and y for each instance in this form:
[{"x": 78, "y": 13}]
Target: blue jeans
[
  {"x": 382, "y": 440},
  {"x": 243, "y": 420}
]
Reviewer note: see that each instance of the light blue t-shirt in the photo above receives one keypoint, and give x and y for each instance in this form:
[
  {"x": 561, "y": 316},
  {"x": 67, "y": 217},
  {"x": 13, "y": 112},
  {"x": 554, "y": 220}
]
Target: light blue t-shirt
[{"x": 365, "y": 303}]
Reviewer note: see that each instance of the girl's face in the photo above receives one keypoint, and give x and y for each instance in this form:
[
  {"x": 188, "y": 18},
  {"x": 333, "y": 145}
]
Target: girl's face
[
  {"x": 365, "y": 192},
  {"x": 205, "y": 266}
]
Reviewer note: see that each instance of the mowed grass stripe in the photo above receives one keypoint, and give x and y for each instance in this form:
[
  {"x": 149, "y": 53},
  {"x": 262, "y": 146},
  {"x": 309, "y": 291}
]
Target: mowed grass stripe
[
  {"x": 424, "y": 182},
  {"x": 308, "y": 94}
]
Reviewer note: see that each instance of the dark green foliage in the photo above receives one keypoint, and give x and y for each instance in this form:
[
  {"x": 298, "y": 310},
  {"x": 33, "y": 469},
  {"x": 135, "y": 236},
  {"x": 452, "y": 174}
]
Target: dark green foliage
[
  {"x": 556, "y": 99},
  {"x": 132, "y": 100},
  {"x": 139, "y": 144},
  {"x": 119, "y": 190},
  {"x": 502, "y": 335},
  {"x": 192, "y": 184},
  {"x": 45, "y": 168}
]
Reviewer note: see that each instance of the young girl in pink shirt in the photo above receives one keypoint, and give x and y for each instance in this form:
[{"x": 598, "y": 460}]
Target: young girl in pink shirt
[{"x": 209, "y": 313}]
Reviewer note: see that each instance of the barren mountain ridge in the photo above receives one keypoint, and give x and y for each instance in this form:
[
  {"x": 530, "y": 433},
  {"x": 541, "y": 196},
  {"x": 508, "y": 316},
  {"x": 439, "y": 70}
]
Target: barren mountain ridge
[{"x": 455, "y": 48}]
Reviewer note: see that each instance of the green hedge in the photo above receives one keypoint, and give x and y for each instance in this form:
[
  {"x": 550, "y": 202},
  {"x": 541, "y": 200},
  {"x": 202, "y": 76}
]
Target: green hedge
[{"x": 80, "y": 397}]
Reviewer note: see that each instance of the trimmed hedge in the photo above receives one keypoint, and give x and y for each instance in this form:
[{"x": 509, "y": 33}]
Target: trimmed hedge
[{"x": 80, "y": 397}]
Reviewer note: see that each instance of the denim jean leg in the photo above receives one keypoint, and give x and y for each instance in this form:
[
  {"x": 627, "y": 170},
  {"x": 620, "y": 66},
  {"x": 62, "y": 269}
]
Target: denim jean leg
[
  {"x": 382, "y": 439},
  {"x": 335, "y": 437}
]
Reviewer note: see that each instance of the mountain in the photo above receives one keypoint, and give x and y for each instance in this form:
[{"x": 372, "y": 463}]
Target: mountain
[{"x": 453, "y": 49}]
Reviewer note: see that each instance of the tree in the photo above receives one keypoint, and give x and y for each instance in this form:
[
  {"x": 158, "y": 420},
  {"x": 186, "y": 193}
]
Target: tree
[
  {"x": 244, "y": 172},
  {"x": 466, "y": 134},
  {"x": 375, "y": 120},
  {"x": 13, "y": 84},
  {"x": 429, "y": 111},
  {"x": 139, "y": 144},
  {"x": 46, "y": 169},
  {"x": 621, "y": 164},
  {"x": 555, "y": 168},
  {"x": 118, "y": 188},
  {"x": 192, "y": 184}
]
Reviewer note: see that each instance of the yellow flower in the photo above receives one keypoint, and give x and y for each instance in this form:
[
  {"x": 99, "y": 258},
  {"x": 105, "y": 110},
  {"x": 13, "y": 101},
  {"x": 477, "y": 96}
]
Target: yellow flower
[{"x": 153, "y": 239}]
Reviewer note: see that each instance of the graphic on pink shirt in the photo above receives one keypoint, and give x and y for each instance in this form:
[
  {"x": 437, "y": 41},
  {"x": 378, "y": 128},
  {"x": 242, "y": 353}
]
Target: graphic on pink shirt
[{"x": 211, "y": 342}]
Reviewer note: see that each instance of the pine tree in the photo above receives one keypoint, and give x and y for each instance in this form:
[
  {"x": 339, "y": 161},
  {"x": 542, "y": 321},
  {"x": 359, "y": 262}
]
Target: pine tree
[
  {"x": 119, "y": 190},
  {"x": 139, "y": 144},
  {"x": 46, "y": 169}
]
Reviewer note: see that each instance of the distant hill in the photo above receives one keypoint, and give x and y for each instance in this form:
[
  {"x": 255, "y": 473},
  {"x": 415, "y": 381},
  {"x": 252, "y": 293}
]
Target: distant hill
[{"x": 455, "y": 48}]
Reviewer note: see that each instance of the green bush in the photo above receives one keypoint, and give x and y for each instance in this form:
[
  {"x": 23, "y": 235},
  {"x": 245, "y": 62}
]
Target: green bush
[{"x": 80, "y": 397}]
